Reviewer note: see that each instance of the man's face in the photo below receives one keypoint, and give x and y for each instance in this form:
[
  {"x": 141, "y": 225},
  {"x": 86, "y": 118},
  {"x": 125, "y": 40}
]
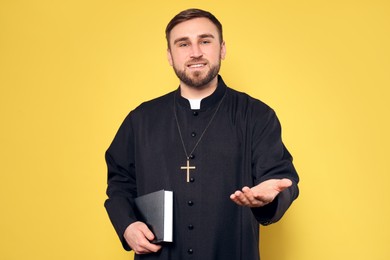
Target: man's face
[{"x": 195, "y": 52}]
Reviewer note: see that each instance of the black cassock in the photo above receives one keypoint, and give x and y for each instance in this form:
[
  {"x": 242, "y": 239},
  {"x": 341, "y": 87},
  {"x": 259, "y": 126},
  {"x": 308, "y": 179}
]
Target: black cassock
[{"x": 241, "y": 147}]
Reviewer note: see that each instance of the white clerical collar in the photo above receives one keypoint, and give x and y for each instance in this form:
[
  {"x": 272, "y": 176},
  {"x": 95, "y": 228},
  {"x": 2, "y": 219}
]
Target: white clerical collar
[{"x": 195, "y": 103}]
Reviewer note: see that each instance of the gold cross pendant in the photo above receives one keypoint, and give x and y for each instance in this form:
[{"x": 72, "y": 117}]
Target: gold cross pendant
[{"x": 188, "y": 168}]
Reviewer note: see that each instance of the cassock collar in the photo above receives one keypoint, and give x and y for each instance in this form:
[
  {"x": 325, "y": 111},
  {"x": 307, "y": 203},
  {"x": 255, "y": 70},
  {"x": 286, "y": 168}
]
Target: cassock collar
[{"x": 207, "y": 102}]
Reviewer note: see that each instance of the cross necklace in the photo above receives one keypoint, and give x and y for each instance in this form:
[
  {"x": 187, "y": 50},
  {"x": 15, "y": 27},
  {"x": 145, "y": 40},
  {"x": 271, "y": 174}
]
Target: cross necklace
[{"x": 188, "y": 155}]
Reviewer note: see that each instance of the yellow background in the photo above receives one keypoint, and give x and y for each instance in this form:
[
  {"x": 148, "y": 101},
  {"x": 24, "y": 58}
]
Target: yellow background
[{"x": 70, "y": 71}]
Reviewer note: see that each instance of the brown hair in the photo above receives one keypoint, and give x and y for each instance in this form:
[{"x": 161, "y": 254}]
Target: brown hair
[{"x": 190, "y": 14}]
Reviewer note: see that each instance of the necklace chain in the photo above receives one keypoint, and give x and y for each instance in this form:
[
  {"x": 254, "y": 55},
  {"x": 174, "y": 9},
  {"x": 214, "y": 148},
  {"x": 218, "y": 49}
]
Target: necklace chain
[{"x": 204, "y": 131}]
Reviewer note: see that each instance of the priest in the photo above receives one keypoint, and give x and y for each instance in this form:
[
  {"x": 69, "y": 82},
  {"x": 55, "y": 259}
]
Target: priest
[{"x": 219, "y": 150}]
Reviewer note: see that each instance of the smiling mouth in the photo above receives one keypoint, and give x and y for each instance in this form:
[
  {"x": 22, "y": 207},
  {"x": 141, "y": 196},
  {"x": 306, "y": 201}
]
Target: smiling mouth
[
  {"x": 199, "y": 65},
  {"x": 196, "y": 64}
]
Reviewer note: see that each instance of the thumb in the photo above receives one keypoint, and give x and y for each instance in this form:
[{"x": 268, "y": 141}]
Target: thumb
[
  {"x": 147, "y": 232},
  {"x": 283, "y": 184}
]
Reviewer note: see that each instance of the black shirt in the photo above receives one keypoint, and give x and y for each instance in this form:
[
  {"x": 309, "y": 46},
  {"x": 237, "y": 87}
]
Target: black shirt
[{"x": 241, "y": 147}]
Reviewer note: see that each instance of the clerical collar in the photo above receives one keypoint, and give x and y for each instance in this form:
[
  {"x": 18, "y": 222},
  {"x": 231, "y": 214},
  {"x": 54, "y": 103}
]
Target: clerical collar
[
  {"x": 206, "y": 102},
  {"x": 195, "y": 103}
]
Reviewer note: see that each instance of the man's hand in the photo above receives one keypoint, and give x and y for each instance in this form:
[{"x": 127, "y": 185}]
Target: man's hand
[
  {"x": 138, "y": 236},
  {"x": 261, "y": 194}
]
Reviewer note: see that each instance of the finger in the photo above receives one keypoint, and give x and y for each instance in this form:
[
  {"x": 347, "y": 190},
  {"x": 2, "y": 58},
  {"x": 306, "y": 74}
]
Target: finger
[
  {"x": 250, "y": 197},
  {"x": 256, "y": 200},
  {"x": 265, "y": 192},
  {"x": 152, "y": 247},
  {"x": 233, "y": 197},
  {"x": 137, "y": 235},
  {"x": 144, "y": 247},
  {"x": 246, "y": 190},
  {"x": 147, "y": 232},
  {"x": 238, "y": 198},
  {"x": 283, "y": 184},
  {"x": 245, "y": 196}
]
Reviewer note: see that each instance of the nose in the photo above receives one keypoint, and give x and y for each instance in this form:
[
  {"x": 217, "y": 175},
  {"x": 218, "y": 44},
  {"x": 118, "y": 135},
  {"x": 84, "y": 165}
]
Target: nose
[{"x": 196, "y": 51}]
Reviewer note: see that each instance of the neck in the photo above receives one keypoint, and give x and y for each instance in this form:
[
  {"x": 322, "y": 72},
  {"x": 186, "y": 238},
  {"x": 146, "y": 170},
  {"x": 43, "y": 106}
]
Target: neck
[{"x": 198, "y": 92}]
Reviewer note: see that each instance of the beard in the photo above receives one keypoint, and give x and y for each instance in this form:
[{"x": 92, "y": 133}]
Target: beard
[{"x": 195, "y": 79}]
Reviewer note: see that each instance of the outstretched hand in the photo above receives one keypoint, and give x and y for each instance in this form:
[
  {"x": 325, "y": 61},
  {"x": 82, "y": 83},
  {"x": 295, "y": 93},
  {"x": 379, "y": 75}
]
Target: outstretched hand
[{"x": 261, "y": 194}]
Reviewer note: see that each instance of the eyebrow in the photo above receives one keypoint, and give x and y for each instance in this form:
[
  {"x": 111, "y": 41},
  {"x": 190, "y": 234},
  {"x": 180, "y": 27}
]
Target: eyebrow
[
  {"x": 202, "y": 36},
  {"x": 206, "y": 35}
]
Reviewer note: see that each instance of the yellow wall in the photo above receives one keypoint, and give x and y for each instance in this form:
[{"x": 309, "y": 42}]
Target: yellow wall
[{"x": 71, "y": 70}]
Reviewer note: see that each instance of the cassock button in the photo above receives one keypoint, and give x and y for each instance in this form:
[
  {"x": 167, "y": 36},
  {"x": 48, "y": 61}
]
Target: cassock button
[
  {"x": 190, "y": 203},
  {"x": 190, "y": 251},
  {"x": 195, "y": 113},
  {"x": 193, "y": 134},
  {"x": 190, "y": 227},
  {"x": 192, "y": 156},
  {"x": 192, "y": 179}
]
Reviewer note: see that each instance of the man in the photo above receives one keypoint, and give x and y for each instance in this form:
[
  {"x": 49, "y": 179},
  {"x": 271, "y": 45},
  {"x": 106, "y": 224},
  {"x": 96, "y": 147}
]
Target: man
[{"x": 219, "y": 150}]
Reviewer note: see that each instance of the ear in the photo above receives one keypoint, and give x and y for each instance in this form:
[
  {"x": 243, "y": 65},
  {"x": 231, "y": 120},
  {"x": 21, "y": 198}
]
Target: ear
[
  {"x": 169, "y": 56},
  {"x": 223, "y": 50}
]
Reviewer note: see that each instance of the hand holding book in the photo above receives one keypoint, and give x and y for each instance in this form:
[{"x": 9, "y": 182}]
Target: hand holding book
[
  {"x": 138, "y": 236},
  {"x": 156, "y": 211}
]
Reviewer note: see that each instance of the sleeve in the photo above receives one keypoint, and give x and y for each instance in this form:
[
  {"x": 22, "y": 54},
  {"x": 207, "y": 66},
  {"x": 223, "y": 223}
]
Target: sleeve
[
  {"x": 272, "y": 160},
  {"x": 121, "y": 189}
]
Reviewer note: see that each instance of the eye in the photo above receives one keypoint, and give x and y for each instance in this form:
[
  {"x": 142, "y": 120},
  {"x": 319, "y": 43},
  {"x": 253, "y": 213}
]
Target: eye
[
  {"x": 205, "y": 42},
  {"x": 183, "y": 44}
]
